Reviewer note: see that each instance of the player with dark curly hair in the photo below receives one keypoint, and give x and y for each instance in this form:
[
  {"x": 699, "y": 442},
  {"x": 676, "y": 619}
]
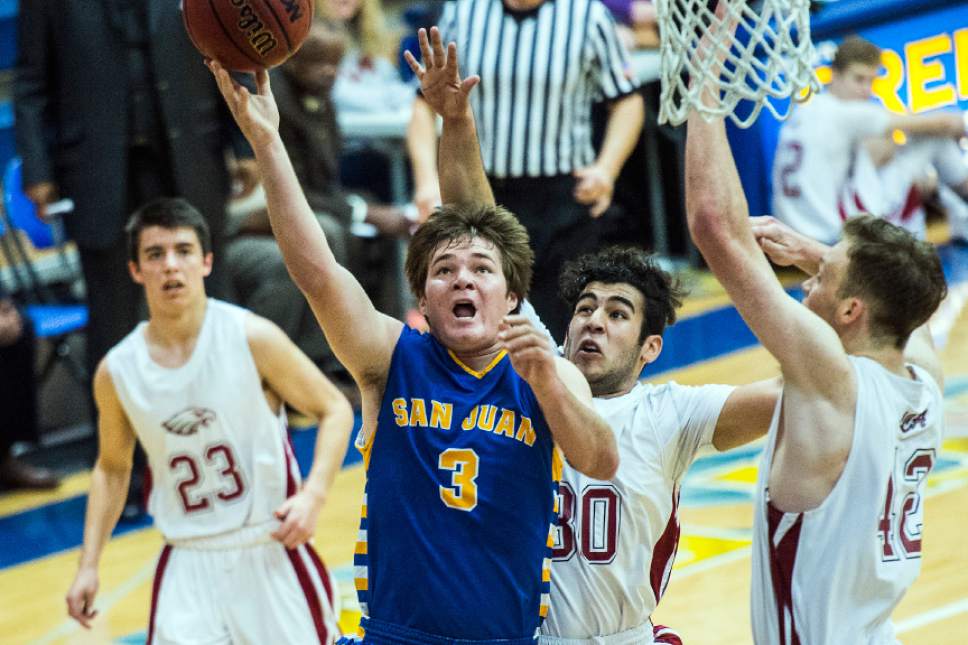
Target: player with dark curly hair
[{"x": 608, "y": 575}]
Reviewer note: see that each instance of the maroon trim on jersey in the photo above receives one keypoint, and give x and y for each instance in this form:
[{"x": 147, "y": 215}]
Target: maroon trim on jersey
[
  {"x": 783, "y": 555},
  {"x": 156, "y": 589},
  {"x": 312, "y": 598},
  {"x": 662, "y": 634},
  {"x": 323, "y": 573},
  {"x": 665, "y": 550},
  {"x": 291, "y": 487},
  {"x": 841, "y": 211},
  {"x": 911, "y": 204}
]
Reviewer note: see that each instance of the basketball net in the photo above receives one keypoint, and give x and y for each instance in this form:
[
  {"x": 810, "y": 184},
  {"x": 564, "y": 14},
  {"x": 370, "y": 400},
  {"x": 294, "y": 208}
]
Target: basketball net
[{"x": 768, "y": 62}]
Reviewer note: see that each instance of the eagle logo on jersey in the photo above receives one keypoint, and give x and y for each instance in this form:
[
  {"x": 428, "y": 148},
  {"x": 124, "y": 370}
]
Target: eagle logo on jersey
[
  {"x": 188, "y": 421},
  {"x": 911, "y": 420}
]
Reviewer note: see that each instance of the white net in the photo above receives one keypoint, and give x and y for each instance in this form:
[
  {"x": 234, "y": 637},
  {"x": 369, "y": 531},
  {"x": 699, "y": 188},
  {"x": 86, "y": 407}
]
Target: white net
[{"x": 766, "y": 61}]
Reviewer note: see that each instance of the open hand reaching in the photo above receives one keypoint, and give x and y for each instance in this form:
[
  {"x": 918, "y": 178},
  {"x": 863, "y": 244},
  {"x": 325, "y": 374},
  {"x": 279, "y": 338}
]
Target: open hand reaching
[{"x": 440, "y": 80}]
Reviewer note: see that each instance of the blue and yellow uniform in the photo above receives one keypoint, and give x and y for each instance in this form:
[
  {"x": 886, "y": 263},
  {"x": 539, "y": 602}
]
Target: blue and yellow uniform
[{"x": 461, "y": 482}]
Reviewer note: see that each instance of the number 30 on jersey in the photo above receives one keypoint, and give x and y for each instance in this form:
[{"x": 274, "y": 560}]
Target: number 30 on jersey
[{"x": 589, "y": 524}]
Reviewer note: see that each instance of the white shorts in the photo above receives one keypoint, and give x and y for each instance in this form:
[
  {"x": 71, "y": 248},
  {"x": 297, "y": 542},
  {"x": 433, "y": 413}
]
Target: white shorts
[
  {"x": 241, "y": 587},
  {"x": 641, "y": 635}
]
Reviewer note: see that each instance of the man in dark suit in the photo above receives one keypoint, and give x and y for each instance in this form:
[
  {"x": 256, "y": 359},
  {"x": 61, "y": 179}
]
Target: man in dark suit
[{"x": 114, "y": 107}]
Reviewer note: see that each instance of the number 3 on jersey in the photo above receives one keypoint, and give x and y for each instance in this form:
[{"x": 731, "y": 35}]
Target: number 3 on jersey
[{"x": 462, "y": 492}]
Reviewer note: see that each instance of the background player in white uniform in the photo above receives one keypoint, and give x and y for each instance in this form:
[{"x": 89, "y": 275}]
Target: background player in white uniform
[
  {"x": 201, "y": 385},
  {"x": 818, "y": 147},
  {"x": 857, "y": 427},
  {"x": 616, "y": 538}
]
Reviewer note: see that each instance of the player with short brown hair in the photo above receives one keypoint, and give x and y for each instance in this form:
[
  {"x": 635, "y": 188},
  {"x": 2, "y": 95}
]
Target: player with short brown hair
[
  {"x": 202, "y": 385},
  {"x": 838, "y": 510}
]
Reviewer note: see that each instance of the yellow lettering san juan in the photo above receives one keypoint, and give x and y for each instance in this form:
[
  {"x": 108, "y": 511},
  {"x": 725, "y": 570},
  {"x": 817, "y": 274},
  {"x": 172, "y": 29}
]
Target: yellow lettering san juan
[{"x": 489, "y": 418}]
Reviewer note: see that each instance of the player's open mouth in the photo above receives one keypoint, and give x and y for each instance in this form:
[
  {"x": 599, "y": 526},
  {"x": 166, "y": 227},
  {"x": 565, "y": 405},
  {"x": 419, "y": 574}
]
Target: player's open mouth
[
  {"x": 589, "y": 347},
  {"x": 464, "y": 310},
  {"x": 172, "y": 285}
]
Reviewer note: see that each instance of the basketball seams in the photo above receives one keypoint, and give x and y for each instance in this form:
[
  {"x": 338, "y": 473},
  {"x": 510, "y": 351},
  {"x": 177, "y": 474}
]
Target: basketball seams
[
  {"x": 268, "y": 32},
  {"x": 282, "y": 26},
  {"x": 228, "y": 35}
]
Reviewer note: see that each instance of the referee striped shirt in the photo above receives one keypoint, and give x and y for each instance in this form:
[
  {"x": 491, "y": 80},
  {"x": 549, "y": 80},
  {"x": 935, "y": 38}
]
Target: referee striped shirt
[{"x": 540, "y": 71}]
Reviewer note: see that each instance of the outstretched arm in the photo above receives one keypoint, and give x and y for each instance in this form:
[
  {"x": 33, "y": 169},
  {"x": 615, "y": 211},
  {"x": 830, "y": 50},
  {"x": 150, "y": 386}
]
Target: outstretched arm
[
  {"x": 809, "y": 351},
  {"x": 940, "y": 124},
  {"x": 461, "y": 171},
  {"x": 109, "y": 488},
  {"x": 361, "y": 337}
]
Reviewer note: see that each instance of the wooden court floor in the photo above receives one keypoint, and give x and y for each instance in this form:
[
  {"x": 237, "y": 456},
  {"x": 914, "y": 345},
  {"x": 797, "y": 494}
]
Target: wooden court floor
[{"x": 707, "y": 600}]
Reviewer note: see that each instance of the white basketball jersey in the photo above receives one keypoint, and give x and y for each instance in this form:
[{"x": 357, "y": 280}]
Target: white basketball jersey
[
  {"x": 616, "y": 540},
  {"x": 835, "y": 573},
  {"x": 813, "y": 162},
  {"x": 219, "y": 456}
]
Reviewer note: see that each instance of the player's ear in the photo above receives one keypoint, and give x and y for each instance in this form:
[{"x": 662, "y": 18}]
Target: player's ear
[
  {"x": 513, "y": 300},
  {"x": 135, "y": 272},
  {"x": 651, "y": 348},
  {"x": 850, "y": 310},
  {"x": 422, "y": 306},
  {"x": 207, "y": 264}
]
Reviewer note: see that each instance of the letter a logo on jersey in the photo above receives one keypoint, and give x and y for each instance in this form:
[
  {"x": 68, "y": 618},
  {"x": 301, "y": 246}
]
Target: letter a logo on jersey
[{"x": 188, "y": 421}]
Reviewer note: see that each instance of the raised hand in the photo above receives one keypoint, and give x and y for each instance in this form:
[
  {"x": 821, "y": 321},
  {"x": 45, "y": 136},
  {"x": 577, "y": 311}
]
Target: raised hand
[
  {"x": 439, "y": 76},
  {"x": 528, "y": 349},
  {"x": 256, "y": 114}
]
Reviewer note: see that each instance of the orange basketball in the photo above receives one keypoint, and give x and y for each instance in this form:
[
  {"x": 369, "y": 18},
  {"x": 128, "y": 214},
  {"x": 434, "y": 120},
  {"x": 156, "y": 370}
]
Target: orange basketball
[{"x": 247, "y": 35}]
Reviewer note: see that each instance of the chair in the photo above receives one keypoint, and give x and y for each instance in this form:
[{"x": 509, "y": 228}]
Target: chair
[{"x": 55, "y": 320}]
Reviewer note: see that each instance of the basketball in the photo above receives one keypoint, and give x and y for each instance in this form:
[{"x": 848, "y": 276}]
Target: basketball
[{"x": 248, "y": 35}]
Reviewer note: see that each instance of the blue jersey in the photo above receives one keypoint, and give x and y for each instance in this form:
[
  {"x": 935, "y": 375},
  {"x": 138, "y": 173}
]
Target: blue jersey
[{"x": 461, "y": 483}]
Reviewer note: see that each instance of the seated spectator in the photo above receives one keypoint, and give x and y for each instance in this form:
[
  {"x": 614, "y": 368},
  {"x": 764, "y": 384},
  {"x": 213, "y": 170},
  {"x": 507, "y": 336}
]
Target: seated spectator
[
  {"x": 368, "y": 80},
  {"x": 18, "y": 399},
  {"x": 360, "y": 233}
]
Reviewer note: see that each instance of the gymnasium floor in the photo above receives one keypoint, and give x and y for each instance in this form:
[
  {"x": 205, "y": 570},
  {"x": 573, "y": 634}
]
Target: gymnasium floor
[{"x": 707, "y": 600}]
